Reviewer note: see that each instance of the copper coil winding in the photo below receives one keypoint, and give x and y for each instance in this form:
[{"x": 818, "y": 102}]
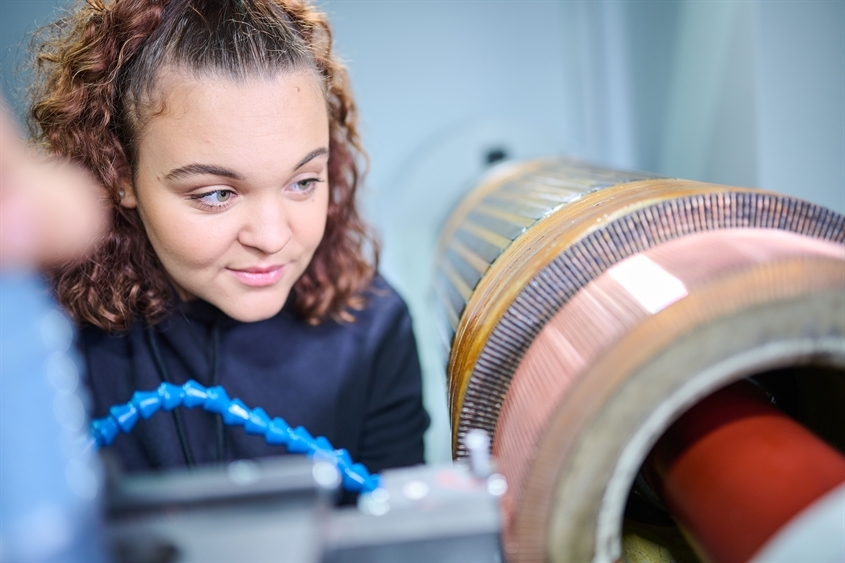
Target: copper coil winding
[{"x": 548, "y": 343}]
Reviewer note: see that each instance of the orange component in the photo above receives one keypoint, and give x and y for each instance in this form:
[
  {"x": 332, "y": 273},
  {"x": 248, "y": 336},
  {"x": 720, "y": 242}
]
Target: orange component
[{"x": 733, "y": 470}]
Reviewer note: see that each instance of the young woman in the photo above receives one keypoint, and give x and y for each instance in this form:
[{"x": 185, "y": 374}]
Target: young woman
[{"x": 224, "y": 134}]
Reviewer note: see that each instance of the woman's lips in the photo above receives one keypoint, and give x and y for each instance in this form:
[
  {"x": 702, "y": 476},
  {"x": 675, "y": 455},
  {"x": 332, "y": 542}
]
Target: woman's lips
[{"x": 259, "y": 277}]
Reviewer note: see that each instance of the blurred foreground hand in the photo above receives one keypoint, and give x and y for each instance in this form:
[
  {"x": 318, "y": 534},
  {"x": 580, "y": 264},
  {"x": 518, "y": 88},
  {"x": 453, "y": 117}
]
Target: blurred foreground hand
[
  {"x": 50, "y": 483},
  {"x": 51, "y": 211}
]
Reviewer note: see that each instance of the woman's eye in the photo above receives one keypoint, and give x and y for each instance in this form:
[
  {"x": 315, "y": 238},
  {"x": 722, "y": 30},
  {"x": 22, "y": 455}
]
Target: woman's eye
[
  {"x": 217, "y": 198},
  {"x": 305, "y": 186}
]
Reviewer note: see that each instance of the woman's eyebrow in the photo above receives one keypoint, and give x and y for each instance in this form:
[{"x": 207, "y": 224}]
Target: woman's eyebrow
[
  {"x": 311, "y": 156},
  {"x": 210, "y": 169}
]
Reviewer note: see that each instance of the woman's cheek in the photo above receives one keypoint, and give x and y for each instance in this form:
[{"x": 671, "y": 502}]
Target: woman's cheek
[
  {"x": 197, "y": 244},
  {"x": 307, "y": 223},
  {"x": 317, "y": 223},
  {"x": 317, "y": 228}
]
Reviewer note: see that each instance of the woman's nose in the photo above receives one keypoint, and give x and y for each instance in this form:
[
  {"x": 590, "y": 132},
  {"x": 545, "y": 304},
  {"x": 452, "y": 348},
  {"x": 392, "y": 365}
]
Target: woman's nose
[{"x": 266, "y": 226}]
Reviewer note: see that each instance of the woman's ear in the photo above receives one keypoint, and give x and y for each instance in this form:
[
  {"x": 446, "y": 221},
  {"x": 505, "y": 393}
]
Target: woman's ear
[
  {"x": 126, "y": 190},
  {"x": 127, "y": 195}
]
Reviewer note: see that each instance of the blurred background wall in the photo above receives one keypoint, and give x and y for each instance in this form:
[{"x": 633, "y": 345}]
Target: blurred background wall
[{"x": 749, "y": 93}]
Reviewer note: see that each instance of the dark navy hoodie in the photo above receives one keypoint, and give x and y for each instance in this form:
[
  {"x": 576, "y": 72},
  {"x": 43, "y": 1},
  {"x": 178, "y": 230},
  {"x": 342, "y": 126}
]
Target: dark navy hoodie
[{"x": 356, "y": 383}]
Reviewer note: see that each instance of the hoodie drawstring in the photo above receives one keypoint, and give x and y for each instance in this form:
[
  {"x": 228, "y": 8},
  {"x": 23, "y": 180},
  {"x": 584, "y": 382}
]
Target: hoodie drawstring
[
  {"x": 215, "y": 376},
  {"x": 165, "y": 377}
]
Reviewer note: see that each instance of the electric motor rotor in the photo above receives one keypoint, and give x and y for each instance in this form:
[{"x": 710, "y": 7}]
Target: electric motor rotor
[{"x": 588, "y": 309}]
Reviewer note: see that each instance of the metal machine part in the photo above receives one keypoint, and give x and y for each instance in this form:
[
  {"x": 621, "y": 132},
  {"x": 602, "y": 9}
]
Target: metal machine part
[
  {"x": 280, "y": 509},
  {"x": 421, "y": 514},
  {"x": 248, "y": 511},
  {"x": 588, "y": 309}
]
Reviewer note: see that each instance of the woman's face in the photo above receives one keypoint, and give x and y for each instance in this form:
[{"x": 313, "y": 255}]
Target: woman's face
[{"x": 232, "y": 187}]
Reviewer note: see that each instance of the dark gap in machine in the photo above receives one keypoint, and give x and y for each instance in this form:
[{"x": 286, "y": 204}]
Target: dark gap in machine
[{"x": 812, "y": 395}]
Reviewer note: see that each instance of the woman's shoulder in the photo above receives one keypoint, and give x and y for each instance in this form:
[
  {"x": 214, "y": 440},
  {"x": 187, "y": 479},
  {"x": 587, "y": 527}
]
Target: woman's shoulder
[
  {"x": 382, "y": 295},
  {"x": 383, "y": 307},
  {"x": 89, "y": 336}
]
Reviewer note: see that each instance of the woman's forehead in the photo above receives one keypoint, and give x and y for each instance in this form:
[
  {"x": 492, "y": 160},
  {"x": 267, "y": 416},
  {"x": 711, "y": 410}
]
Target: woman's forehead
[
  {"x": 181, "y": 80},
  {"x": 260, "y": 123}
]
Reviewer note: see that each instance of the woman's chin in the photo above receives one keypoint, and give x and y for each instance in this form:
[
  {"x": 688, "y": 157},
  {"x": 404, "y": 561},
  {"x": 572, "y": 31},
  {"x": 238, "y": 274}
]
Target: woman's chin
[{"x": 252, "y": 310}]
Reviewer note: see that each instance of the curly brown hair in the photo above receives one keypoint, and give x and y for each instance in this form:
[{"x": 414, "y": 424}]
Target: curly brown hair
[{"x": 96, "y": 72}]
